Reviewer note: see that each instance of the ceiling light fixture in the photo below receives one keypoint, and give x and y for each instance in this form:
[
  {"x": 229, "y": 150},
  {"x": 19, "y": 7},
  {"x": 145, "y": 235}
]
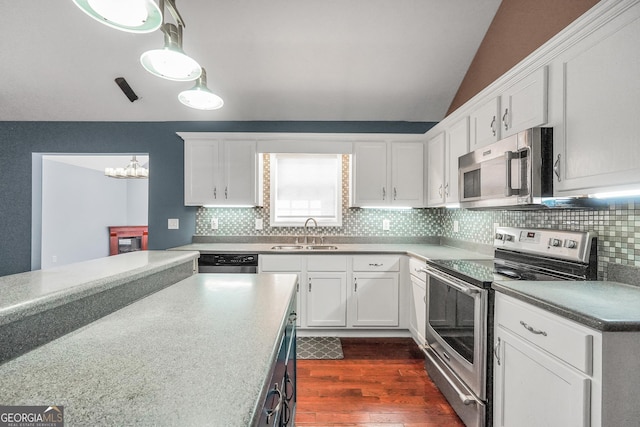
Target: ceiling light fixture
[
  {"x": 132, "y": 171},
  {"x": 199, "y": 96},
  {"x": 133, "y": 16},
  {"x": 171, "y": 62}
]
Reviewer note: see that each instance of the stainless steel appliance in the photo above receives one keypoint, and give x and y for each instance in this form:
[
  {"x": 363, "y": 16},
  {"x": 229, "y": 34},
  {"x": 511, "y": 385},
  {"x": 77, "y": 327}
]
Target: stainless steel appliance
[
  {"x": 515, "y": 171},
  {"x": 459, "y": 328},
  {"x": 228, "y": 263}
]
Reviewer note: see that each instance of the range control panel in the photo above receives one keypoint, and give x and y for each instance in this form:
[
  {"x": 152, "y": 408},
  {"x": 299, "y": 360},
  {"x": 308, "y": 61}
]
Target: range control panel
[{"x": 571, "y": 245}]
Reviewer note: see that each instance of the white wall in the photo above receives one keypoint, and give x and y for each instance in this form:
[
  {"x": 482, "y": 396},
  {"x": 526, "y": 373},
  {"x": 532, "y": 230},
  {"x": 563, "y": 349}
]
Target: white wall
[{"x": 78, "y": 206}]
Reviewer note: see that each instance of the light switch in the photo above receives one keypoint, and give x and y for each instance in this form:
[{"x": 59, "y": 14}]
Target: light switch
[
  {"x": 173, "y": 224},
  {"x": 456, "y": 226},
  {"x": 214, "y": 223},
  {"x": 259, "y": 225},
  {"x": 386, "y": 224}
]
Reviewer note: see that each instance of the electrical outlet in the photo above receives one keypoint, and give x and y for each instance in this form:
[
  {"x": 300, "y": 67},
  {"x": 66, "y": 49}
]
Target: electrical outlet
[
  {"x": 173, "y": 224},
  {"x": 214, "y": 223},
  {"x": 54, "y": 259},
  {"x": 495, "y": 227},
  {"x": 456, "y": 226},
  {"x": 259, "y": 225},
  {"x": 386, "y": 224}
]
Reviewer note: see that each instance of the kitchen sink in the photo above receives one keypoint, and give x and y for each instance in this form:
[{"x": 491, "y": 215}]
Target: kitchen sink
[
  {"x": 321, "y": 247},
  {"x": 286, "y": 247}
]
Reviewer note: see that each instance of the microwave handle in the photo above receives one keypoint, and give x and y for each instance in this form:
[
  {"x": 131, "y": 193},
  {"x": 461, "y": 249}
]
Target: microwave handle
[{"x": 508, "y": 189}]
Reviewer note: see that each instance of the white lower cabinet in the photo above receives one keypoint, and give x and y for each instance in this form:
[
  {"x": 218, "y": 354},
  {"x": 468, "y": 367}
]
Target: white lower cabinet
[
  {"x": 534, "y": 389},
  {"x": 326, "y": 299},
  {"x": 554, "y": 372},
  {"x": 375, "y": 299},
  {"x": 418, "y": 304},
  {"x": 286, "y": 264}
]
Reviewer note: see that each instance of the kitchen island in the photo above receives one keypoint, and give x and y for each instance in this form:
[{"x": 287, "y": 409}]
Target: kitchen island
[{"x": 195, "y": 353}]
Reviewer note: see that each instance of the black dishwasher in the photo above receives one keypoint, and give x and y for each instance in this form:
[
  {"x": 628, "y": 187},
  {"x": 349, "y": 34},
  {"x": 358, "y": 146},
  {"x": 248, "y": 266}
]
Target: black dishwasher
[{"x": 228, "y": 263}]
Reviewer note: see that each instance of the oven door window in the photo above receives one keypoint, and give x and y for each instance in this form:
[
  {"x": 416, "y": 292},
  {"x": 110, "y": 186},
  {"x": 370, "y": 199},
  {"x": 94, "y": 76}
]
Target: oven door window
[{"x": 452, "y": 317}]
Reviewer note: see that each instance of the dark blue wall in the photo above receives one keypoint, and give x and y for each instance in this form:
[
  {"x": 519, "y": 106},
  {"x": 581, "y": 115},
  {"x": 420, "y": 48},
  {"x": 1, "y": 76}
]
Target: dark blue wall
[{"x": 18, "y": 140}]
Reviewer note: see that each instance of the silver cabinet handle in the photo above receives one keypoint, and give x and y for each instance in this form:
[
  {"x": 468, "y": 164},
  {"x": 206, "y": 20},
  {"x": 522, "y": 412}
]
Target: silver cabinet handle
[
  {"x": 440, "y": 190},
  {"x": 384, "y": 193},
  {"x": 446, "y": 189},
  {"x": 493, "y": 126},
  {"x": 309, "y": 284},
  {"x": 505, "y": 119},
  {"x": 532, "y": 330},
  {"x": 375, "y": 265},
  {"x": 226, "y": 193},
  {"x": 556, "y": 168},
  {"x": 215, "y": 192},
  {"x": 355, "y": 284},
  {"x": 395, "y": 193},
  {"x": 496, "y": 352}
]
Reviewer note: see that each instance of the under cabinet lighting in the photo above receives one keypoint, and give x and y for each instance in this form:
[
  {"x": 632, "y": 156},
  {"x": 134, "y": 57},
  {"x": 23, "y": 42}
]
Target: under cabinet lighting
[
  {"x": 133, "y": 16},
  {"x": 614, "y": 194}
]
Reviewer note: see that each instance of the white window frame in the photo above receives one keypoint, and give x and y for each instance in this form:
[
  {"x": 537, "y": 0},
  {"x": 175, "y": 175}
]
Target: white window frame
[{"x": 335, "y": 221}]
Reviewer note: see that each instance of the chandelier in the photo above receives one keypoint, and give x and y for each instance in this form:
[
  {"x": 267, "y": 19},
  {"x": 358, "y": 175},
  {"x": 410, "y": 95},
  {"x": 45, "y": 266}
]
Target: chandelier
[{"x": 132, "y": 171}]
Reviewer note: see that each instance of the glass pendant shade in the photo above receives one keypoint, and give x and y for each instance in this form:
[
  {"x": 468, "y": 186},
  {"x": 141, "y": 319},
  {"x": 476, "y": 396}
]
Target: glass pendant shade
[
  {"x": 134, "y": 16},
  {"x": 171, "y": 62},
  {"x": 200, "y": 97}
]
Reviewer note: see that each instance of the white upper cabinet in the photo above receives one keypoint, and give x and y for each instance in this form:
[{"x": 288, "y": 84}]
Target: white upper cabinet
[
  {"x": 443, "y": 151},
  {"x": 524, "y": 105},
  {"x": 218, "y": 172},
  {"x": 596, "y": 104},
  {"x": 485, "y": 124},
  {"x": 369, "y": 174},
  {"x": 387, "y": 174}
]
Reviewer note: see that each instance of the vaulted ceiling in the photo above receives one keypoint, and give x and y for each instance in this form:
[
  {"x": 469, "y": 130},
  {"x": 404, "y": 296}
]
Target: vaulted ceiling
[{"x": 378, "y": 60}]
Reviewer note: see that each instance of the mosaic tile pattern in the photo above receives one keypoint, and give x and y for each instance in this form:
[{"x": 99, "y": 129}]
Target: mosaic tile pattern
[{"x": 617, "y": 227}]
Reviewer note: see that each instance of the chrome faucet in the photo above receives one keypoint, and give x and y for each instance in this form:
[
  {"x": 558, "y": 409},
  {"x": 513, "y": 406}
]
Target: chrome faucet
[{"x": 306, "y": 231}]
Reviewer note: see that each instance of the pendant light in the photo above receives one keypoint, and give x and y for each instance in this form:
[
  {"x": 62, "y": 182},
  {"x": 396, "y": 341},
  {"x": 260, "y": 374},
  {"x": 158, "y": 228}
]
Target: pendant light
[
  {"x": 171, "y": 62},
  {"x": 132, "y": 171},
  {"x": 133, "y": 16},
  {"x": 199, "y": 96}
]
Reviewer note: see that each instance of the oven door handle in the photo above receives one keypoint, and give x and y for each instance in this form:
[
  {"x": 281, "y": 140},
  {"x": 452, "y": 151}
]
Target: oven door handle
[{"x": 450, "y": 281}]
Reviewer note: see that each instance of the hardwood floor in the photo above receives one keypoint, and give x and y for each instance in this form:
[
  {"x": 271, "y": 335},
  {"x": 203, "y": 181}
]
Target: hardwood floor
[{"x": 380, "y": 382}]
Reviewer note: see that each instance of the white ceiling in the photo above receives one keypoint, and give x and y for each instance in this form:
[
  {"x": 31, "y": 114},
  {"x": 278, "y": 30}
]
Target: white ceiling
[{"x": 378, "y": 60}]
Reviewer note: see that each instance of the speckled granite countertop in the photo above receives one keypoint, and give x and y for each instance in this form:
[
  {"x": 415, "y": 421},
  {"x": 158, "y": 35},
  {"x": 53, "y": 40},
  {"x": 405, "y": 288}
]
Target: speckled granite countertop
[
  {"x": 195, "y": 353},
  {"x": 27, "y": 293},
  {"x": 605, "y": 306},
  {"x": 423, "y": 251}
]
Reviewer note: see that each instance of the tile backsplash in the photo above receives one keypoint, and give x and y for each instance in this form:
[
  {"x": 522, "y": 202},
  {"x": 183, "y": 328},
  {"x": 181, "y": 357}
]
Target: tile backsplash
[{"x": 617, "y": 227}]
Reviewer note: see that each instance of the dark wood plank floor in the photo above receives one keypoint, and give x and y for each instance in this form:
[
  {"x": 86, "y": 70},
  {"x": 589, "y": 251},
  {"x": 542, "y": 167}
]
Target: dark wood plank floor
[{"x": 380, "y": 382}]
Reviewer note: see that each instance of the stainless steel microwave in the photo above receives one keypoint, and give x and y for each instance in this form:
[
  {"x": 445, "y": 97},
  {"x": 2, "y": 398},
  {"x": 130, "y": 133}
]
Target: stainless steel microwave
[{"x": 515, "y": 171}]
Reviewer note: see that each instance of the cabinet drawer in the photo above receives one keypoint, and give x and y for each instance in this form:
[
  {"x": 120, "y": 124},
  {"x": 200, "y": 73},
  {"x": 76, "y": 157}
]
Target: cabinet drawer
[
  {"x": 415, "y": 265},
  {"x": 326, "y": 263},
  {"x": 376, "y": 263},
  {"x": 280, "y": 263},
  {"x": 561, "y": 337}
]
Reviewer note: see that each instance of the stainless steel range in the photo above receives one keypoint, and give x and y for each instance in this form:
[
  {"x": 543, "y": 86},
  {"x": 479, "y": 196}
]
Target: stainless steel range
[{"x": 460, "y": 308}]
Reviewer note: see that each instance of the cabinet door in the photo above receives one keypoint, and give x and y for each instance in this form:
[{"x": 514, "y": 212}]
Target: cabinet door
[
  {"x": 375, "y": 299},
  {"x": 524, "y": 105},
  {"x": 534, "y": 389},
  {"x": 485, "y": 124},
  {"x": 201, "y": 158},
  {"x": 369, "y": 172},
  {"x": 436, "y": 151},
  {"x": 326, "y": 299},
  {"x": 239, "y": 165},
  {"x": 597, "y": 145},
  {"x": 286, "y": 264},
  {"x": 418, "y": 318},
  {"x": 457, "y": 145},
  {"x": 407, "y": 174}
]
